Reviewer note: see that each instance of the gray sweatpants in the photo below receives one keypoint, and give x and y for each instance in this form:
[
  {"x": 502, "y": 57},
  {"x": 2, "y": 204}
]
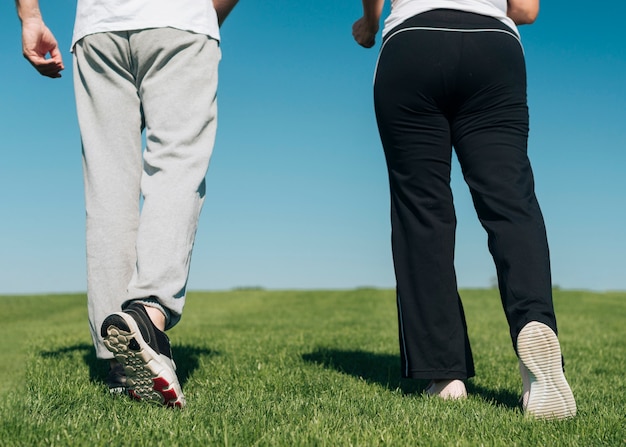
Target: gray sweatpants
[{"x": 164, "y": 81}]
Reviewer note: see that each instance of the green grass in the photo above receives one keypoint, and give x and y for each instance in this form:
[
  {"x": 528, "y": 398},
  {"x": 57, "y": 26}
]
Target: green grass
[{"x": 304, "y": 368}]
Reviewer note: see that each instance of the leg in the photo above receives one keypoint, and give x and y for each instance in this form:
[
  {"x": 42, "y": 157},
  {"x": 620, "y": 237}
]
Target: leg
[
  {"x": 177, "y": 81},
  {"x": 490, "y": 132},
  {"x": 415, "y": 135},
  {"x": 109, "y": 115},
  {"x": 176, "y": 76}
]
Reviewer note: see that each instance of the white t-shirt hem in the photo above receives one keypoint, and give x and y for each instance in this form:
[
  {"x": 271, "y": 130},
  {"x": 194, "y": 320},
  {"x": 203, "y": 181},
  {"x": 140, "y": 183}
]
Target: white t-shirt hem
[
  {"x": 99, "y": 16},
  {"x": 402, "y": 10}
]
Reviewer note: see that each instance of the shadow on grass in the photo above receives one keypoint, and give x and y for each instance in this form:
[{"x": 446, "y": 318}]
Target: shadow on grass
[
  {"x": 498, "y": 398},
  {"x": 380, "y": 369},
  {"x": 187, "y": 360},
  {"x": 384, "y": 370}
]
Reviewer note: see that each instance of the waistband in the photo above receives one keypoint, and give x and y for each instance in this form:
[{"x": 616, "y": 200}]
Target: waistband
[{"x": 451, "y": 19}]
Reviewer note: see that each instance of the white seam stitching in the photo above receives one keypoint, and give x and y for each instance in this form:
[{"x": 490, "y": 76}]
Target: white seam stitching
[
  {"x": 406, "y": 355},
  {"x": 428, "y": 28}
]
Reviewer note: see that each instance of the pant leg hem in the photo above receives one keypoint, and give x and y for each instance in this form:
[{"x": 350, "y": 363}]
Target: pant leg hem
[{"x": 439, "y": 374}]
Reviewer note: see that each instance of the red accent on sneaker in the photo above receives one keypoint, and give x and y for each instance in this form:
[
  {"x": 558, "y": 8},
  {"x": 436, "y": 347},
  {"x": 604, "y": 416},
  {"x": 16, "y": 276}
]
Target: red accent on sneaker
[
  {"x": 160, "y": 385},
  {"x": 134, "y": 395}
]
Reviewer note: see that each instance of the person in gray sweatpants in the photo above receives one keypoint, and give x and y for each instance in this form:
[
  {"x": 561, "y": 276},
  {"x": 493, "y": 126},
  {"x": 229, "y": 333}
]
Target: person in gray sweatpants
[
  {"x": 145, "y": 255},
  {"x": 142, "y": 207}
]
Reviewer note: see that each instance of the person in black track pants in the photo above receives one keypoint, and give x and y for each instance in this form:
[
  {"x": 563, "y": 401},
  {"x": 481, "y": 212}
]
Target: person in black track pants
[{"x": 452, "y": 74}]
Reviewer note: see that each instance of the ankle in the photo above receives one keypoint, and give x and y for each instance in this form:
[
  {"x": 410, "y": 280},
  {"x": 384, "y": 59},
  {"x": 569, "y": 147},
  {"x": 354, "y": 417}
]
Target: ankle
[{"x": 157, "y": 317}]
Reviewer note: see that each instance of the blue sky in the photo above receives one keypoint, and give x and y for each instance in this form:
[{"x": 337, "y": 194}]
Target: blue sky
[{"x": 297, "y": 188}]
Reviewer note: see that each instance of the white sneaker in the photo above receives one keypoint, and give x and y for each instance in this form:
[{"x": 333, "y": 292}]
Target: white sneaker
[
  {"x": 546, "y": 393},
  {"x": 447, "y": 389},
  {"x": 525, "y": 384},
  {"x": 145, "y": 354}
]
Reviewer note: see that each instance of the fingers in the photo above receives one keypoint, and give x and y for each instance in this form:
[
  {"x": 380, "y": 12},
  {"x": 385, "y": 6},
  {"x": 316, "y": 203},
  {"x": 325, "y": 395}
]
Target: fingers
[
  {"x": 365, "y": 40},
  {"x": 368, "y": 43},
  {"x": 57, "y": 67},
  {"x": 363, "y": 34},
  {"x": 51, "y": 67}
]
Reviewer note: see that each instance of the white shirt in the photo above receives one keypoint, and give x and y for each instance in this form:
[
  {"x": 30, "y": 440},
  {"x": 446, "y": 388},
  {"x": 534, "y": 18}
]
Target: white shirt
[
  {"x": 97, "y": 16},
  {"x": 401, "y": 10}
]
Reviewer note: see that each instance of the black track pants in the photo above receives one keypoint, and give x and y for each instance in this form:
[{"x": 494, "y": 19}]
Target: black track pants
[{"x": 453, "y": 79}]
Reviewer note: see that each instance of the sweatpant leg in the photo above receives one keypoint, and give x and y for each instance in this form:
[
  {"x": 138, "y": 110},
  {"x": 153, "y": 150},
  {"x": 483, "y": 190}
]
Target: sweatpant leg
[
  {"x": 177, "y": 84},
  {"x": 416, "y": 138},
  {"x": 109, "y": 116},
  {"x": 490, "y": 134},
  {"x": 128, "y": 256}
]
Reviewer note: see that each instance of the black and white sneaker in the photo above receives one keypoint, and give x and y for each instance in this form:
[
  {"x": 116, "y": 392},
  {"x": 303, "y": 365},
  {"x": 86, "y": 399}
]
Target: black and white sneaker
[
  {"x": 116, "y": 380},
  {"x": 145, "y": 354}
]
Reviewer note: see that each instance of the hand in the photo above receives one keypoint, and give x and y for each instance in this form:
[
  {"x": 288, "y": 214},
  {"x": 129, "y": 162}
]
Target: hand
[
  {"x": 364, "y": 32},
  {"x": 37, "y": 43}
]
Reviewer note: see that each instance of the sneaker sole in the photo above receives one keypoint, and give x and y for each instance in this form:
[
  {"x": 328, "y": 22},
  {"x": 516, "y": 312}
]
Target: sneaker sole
[
  {"x": 118, "y": 391},
  {"x": 550, "y": 394},
  {"x": 150, "y": 376}
]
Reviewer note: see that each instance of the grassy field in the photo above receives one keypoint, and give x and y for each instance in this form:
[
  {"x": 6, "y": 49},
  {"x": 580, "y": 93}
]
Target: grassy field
[{"x": 304, "y": 368}]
